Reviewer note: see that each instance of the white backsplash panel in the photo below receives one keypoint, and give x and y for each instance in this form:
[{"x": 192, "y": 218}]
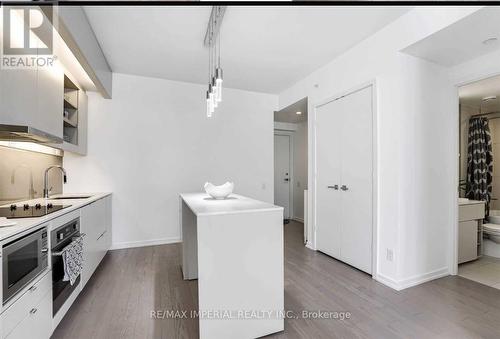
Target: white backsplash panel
[{"x": 21, "y": 174}]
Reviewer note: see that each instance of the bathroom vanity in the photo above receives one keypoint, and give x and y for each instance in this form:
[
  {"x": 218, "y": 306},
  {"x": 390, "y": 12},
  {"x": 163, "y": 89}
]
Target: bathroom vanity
[
  {"x": 234, "y": 247},
  {"x": 470, "y": 231}
]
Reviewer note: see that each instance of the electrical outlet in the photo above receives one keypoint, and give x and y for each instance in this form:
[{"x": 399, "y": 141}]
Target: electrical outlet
[{"x": 390, "y": 255}]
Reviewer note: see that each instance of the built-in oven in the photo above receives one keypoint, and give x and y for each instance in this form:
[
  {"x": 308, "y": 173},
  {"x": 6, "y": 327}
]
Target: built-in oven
[
  {"x": 60, "y": 238},
  {"x": 22, "y": 260}
]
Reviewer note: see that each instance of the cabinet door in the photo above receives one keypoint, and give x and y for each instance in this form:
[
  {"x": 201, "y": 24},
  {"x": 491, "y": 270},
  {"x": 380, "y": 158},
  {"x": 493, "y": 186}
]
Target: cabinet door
[
  {"x": 92, "y": 223},
  {"x": 109, "y": 221},
  {"x": 50, "y": 84},
  {"x": 18, "y": 96},
  {"x": 328, "y": 155},
  {"x": 37, "y": 324},
  {"x": 467, "y": 241},
  {"x": 357, "y": 177},
  {"x": 32, "y": 97}
]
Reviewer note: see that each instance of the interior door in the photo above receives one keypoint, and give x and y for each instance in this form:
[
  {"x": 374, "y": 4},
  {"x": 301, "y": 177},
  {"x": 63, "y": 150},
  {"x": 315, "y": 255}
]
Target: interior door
[
  {"x": 282, "y": 172},
  {"x": 328, "y": 155},
  {"x": 357, "y": 176}
]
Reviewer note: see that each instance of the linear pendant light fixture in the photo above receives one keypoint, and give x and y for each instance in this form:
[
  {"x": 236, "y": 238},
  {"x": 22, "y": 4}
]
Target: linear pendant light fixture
[{"x": 212, "y": 42}]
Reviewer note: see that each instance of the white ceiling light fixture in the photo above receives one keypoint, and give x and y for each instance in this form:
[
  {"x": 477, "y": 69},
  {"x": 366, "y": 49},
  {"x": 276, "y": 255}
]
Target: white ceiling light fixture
[
  {"x": 486, "y": 100},
  {"x": 212, "y": 41},
  {"x": 298, "y": 113},
  {"x": 492, "y": 97},
  {"x": 490, "y": 41}
]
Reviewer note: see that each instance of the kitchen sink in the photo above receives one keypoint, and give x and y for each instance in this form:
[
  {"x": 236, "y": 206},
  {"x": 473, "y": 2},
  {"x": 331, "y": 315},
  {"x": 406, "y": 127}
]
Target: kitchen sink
[{"x": 71, "y": 197}]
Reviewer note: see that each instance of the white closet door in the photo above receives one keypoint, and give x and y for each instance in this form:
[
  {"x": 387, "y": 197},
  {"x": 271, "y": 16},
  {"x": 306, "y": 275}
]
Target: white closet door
[
  {"x": 344, "y": 157},
  {"x": 328, "y": 155},
  {"x": 356, "y": 174}
]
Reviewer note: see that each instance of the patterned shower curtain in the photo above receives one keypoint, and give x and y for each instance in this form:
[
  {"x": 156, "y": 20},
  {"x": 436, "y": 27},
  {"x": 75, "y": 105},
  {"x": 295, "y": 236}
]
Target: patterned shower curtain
[{"x": 479, "y": 161}]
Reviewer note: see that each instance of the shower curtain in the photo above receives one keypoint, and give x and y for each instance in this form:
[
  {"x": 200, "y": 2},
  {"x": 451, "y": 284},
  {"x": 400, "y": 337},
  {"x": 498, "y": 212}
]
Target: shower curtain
[{"x": 479, "y": 161}]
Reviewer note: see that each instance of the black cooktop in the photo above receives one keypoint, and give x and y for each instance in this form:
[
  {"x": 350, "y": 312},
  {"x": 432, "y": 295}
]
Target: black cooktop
[{"x": 29, "y": 211}]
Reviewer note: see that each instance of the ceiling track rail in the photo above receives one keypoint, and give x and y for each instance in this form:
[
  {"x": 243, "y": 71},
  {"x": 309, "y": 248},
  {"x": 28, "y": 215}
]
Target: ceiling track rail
[{"x": 213, "y": 26}]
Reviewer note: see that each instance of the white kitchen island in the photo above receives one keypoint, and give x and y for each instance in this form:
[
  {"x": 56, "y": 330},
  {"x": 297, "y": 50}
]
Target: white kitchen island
[{"x": 234, "y": 247}]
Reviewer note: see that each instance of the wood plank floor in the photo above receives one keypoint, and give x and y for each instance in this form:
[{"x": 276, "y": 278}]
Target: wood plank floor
[{"x": 129, "y": 284}]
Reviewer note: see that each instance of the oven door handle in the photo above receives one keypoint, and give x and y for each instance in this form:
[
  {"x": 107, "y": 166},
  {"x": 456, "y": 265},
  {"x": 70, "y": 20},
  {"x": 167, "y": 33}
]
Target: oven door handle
[{"x": 82, "y": 235}]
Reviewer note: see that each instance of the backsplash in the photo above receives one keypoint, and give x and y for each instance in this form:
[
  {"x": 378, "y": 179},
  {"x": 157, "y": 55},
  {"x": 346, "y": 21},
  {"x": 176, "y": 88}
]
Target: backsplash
[{"x": 21, "y": 174}]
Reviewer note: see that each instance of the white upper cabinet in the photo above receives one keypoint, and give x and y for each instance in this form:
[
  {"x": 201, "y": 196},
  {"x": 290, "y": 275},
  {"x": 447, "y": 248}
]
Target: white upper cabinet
[
  {"x": 18, "y": 96},
  {"x": 32, "y": 98},
  {"x": 50, "y": 100}
]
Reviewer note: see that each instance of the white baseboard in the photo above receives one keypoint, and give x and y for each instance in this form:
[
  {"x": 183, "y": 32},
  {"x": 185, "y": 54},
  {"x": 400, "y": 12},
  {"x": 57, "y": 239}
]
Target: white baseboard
[
  {"x": 143, "y": 243},
  {"x": 402, "y": 284},
  {"x": 310, "y": 246},
  {"x": 423, "y": 278},
  {"x": 298, "y": 219},
  {"x": 387, "y": 281}
]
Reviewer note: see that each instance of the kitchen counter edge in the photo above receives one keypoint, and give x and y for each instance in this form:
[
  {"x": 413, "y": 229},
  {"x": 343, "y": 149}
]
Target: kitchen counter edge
[{"x": 26, "y": 224}]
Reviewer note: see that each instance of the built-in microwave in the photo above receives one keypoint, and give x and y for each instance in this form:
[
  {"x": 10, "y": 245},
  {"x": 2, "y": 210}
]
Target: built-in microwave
[{"x": 23, "y": 259}]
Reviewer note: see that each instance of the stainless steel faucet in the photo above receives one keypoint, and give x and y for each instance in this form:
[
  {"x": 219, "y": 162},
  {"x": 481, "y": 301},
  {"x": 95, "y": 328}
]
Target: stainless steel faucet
[{"x": 46, "y": 188}]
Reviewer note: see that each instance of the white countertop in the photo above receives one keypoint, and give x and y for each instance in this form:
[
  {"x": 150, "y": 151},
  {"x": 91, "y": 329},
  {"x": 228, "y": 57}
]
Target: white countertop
[
  {"x": 24, "y": 224},
  {"x": 202, "y": 204},
  {"x": 469, "y": 202}
]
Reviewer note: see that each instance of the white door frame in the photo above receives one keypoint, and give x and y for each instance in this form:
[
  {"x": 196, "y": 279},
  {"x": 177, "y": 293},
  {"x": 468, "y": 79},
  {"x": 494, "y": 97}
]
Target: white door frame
[
  {"x": 313, "y": 188},
  {"x": 291, "y": 150},
  {"x": 453, "y": 253}
]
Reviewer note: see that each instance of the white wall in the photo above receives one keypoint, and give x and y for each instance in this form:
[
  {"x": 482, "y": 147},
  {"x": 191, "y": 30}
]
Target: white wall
[
  {"x": 153, "y": 141},
  {"x": 416, "y": 128}
]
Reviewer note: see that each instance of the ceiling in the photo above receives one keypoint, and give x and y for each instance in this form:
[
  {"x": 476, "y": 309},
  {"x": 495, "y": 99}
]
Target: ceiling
[
  {"x": 461, "y": 41},
  {"x": 289, "y": 114},
  {"x": 264, "y": 49},
  {"x": 472, "y": 95}
]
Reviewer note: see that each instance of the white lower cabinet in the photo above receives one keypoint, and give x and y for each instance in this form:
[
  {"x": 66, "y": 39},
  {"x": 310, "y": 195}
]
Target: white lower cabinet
[
  {"x": 38, "y": 323},
  {"x": 30, "y": 316},
  {"x": 95, "y": 223},
  {"x": 470, "y": 236}
]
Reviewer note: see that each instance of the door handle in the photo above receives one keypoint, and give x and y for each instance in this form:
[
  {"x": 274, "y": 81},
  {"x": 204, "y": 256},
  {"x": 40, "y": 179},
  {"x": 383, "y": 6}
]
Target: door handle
[
  {"x": 335, "y": 187},
  {"x": 344, "y": 188},
  {"x": 286, "y": 179},
  {"x": 101, "y": 235}
]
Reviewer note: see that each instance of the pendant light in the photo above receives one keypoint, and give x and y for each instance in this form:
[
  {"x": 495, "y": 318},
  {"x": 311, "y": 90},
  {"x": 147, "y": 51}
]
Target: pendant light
[
  {"x": 209, "y": 93},
  {"x": 212, "y": 41},
  {"x": 209, "y": 106},
  {"x": 214, "y": 83},
  {"x": 218, "y": 74}
]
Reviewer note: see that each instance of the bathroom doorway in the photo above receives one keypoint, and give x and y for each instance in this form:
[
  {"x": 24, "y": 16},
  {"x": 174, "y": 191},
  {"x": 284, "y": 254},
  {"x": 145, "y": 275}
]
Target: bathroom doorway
[{"x": 479, "y": 182}]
